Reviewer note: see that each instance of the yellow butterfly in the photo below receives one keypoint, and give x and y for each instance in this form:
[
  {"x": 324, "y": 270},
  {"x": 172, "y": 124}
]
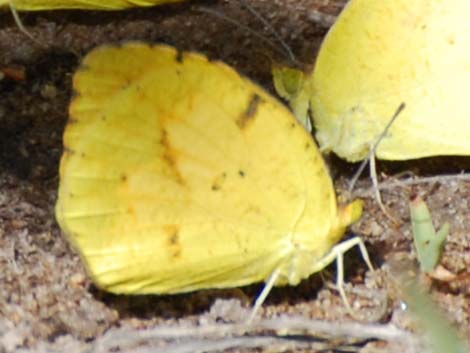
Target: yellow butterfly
[
  {"x": 382, "y": 53},
  {"x": 178, "y": 174},
  {"x": 39, "y": 5}
]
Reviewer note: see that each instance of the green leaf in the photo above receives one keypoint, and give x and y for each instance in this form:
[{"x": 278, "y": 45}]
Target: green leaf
[{"x": 428, "y": 243}]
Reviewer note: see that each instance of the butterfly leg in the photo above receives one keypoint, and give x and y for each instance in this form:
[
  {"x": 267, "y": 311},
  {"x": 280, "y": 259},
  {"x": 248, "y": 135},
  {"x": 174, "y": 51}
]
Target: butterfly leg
[
  {"x": 336, "y": 253},
  {"x": 263, "y": 295},
  {"x": 372, "y": 167}
]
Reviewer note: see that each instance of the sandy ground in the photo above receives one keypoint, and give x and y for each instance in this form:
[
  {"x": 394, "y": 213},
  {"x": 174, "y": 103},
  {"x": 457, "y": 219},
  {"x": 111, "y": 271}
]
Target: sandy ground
[{"x": 47, "y": 303}]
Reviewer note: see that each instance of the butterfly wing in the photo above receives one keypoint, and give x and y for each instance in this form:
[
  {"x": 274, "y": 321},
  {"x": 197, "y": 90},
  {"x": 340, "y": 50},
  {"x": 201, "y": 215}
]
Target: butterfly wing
[
  {"x": 382, "y": 53},
  {"x": 178, "y": 174},
  {"x": 40, "y": 5}
]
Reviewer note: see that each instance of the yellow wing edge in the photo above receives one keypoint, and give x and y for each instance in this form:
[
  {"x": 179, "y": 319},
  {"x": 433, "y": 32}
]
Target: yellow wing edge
[{"x": 105, "y": 5}]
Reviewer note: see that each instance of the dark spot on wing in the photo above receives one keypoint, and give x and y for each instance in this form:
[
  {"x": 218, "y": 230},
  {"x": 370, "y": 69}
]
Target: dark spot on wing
[
  {"x": 126, "y": 84},
  {"x": 218, "y": 182},
  {"x": 247, "y": 117},
  {"x": 179, "y": 56},
  {"x": 68, "y": 150},
  {"x": 170, "y": 157},
  {"x": 241, "y": 173},
  {"x": 131, "y": 211},
  {"x": 173, "y": 239},
  {"x": 75, "y": 94},
  {"x": 326, "y": 195},
  {"x": 355, "y": 108}
]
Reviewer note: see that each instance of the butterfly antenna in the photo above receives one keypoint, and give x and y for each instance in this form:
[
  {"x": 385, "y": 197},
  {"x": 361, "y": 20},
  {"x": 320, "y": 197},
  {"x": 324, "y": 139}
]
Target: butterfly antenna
[
  {"x": 387, "y": 128},
  {"x": 20, "y": 25},
  {"x": 275, "y": 33},
  {"x": 372, "y": 166},
  {"x": 286, "y": 50}
]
